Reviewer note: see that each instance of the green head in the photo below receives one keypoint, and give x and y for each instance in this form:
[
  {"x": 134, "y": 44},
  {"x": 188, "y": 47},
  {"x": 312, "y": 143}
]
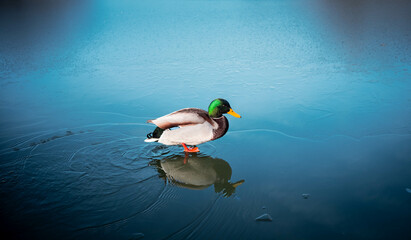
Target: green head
[{"x": 220, "y": 106}]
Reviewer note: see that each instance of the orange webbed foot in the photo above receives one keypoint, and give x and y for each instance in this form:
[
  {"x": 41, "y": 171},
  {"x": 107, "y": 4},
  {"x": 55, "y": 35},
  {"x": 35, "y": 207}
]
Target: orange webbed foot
[
  {"x": 193, "y": 149},
  {"x": 190, "y": 150}
]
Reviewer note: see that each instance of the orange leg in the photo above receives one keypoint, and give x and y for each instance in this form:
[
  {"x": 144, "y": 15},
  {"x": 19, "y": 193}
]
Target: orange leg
[
  {"x": 186, "y": 158},
  {"x": 193, "y": 149}
]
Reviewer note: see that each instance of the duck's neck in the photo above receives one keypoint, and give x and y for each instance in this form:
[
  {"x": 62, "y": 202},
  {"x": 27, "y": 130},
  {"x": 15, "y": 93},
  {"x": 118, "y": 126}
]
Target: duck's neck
[{"x": 222, "y": 127}]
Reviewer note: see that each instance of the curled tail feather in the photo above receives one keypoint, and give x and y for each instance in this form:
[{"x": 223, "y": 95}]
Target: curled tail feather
[{"x": 155, "y": 135}]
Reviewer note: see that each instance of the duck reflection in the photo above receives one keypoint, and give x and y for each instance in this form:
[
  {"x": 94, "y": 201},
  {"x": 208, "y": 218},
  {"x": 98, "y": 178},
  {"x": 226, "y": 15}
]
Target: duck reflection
[{"x": 198, "y": 172}]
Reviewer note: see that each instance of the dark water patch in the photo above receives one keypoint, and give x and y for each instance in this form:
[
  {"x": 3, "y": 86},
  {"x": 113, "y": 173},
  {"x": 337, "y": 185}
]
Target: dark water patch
[
  {"x": 190, "y": 229},
  {"x": 107, "y": 180},
  {"x": 71, "y": 174}
]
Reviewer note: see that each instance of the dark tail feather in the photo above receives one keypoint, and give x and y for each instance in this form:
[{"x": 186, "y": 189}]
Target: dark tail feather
[{"x": 156, "y": 133}]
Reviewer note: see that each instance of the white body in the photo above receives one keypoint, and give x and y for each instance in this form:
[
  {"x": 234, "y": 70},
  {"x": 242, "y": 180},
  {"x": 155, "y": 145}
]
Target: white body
[{"x": 191, "y": 135}]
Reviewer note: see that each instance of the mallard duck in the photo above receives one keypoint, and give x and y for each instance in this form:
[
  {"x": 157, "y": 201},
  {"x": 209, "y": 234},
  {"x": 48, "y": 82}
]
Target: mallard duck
[{"x": 195, "y": 126}]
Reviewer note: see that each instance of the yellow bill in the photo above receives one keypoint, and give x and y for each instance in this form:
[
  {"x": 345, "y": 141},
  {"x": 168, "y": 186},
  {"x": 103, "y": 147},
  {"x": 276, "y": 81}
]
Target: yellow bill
[
  {"x": 238, "y": 183},
  {"x": 232, "y": 113}
]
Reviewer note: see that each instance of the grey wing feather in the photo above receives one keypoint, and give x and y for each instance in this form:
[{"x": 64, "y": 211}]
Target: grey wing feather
[{"x": 180, "y": 118}]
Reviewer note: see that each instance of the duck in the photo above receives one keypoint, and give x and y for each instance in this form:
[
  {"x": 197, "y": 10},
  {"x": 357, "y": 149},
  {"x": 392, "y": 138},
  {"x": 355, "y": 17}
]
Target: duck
[{"x": 192, "y": 126}]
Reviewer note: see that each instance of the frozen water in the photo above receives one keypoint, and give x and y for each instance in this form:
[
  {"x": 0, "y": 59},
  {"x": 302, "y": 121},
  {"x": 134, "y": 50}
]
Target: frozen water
[{"x": 323, "y": 88}]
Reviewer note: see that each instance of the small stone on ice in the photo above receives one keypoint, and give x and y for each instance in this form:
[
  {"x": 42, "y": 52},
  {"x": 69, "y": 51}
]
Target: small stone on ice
[
  {"x": 265, "y": 217},
  {"x": 305, "y": 195},
  {"x": 408, "y": 190}
]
